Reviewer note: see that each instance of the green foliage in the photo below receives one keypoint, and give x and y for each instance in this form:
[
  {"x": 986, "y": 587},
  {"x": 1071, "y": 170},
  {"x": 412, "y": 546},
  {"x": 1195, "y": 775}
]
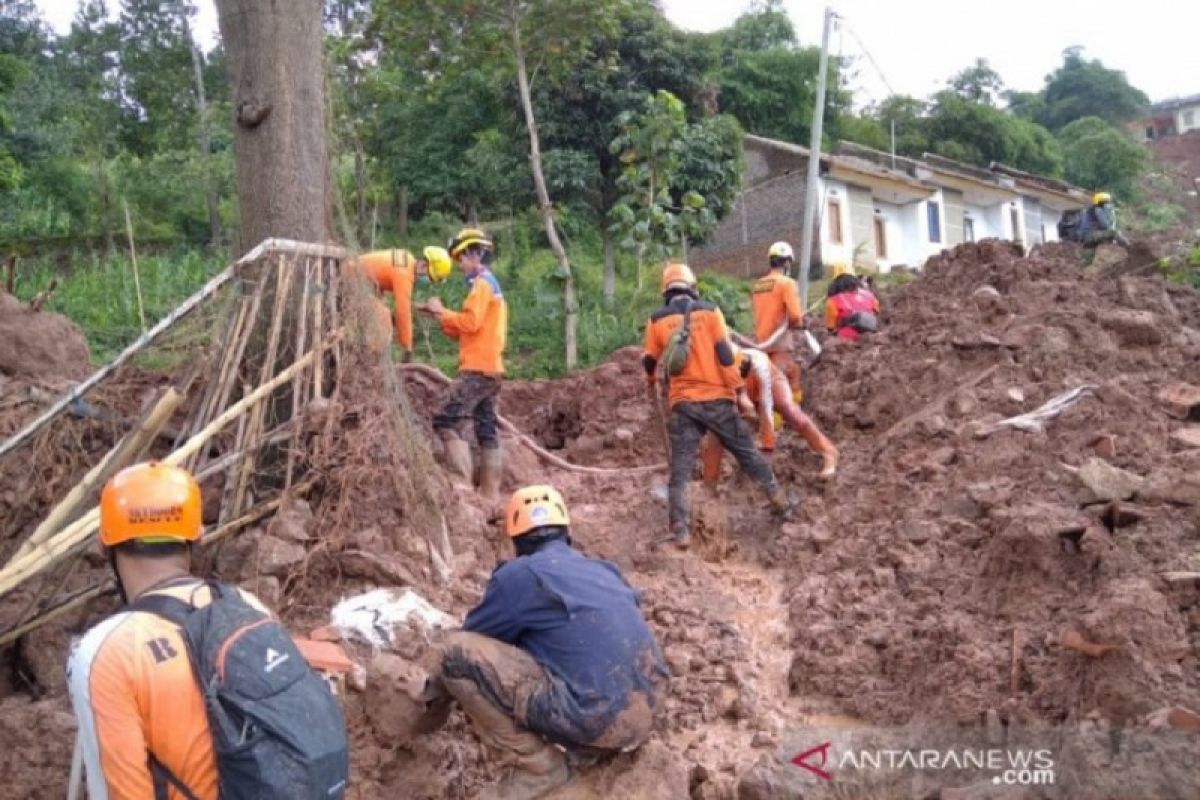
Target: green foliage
[
  {"x": 979, "y": 133},
  {"x": 1098, "y": 156},
  {"x": 1086, "y": 88},
  {"x": 978, "y": 83},
  {"x": 99, "y": 293}
]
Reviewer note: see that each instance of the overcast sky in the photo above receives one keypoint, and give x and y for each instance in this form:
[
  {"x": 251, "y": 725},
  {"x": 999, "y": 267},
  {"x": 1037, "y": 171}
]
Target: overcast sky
[{"x": 918, "y": 45}]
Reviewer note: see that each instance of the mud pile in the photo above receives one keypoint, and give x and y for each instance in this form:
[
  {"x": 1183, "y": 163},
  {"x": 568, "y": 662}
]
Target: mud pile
[
  {"x": 39, "y": 344},
  {"x": 936, "y": 579}
]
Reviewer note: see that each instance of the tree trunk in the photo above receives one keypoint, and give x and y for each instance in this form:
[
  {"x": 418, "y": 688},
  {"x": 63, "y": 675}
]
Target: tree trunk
[
  {"x": 278, "y": 88},
  {"x": 570, "y": 309},
  {"x": 610, "y": 267},
  {"x": 402, "y": 221},
  {"x": 202, "y": 141}
]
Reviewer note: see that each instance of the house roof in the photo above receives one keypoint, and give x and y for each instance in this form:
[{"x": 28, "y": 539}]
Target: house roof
[
  {"x": 1054, "y": 193},
  {"x": 894, "y": 185},
  {"x": 1173, "y": 103}
]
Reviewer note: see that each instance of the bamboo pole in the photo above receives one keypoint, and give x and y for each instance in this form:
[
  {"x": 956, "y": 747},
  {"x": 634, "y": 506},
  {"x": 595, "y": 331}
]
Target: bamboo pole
[
  {"x": 46, "y": 553},
  {"x": 233, "y": 328},
  {"x": 299, "y": 383},
  {"x": 72, "y": 602},
  {"x": 318, "y": 375},
  {"x": 137, "y": 278},
  {"x": 145, "y": 339},
  {"x": 128, "y": 449}
]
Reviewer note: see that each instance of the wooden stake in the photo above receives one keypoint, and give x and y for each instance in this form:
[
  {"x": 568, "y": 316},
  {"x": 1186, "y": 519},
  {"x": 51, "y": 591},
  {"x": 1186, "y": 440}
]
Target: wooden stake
[
  {"x": 318, "y": 376},
  {"x": 131, "y": 446},
  {"x": 137, "y": 278},
  {"x": 299, "y": 383}
]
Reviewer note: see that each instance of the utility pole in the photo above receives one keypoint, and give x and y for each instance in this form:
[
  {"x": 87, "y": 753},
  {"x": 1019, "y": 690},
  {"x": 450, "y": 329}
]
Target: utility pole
[{"x": 814, "y": 163}]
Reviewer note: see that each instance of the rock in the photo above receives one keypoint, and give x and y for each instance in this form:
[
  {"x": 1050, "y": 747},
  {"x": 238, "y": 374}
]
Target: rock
[
  {"x": 393, "y": 712},
  {"x": 657, "y": 773},
  {"x": 920, "y": 532},
  {"x": 1105, "y": 445},
  {"x": 1016, "y": 395},
  {"x": 1106, "y": 482},
  {"x": 623, "y": 436},
  {"x": 1147, "y": 295},
  {"x": 988, "y": 300},
  {"x": 266, "y": 588},
  {"x": 762, "y": 739},
  {"x": 1181, "y": 400},
  {"x": 1133, "y": 328},
  {"x": 379, "y": 570},
  {"x": 293, "y": 521},
  {"x": 933, "y": 425},
  {"x": 1173, "y": 483},
  {"x": 989, "y": 494},
  {"x": 678, "y": 661},
  {"x": 1188, "y": 437},
  {"x": 276, "y": 556},
  {"x": 235, "y": 556}
]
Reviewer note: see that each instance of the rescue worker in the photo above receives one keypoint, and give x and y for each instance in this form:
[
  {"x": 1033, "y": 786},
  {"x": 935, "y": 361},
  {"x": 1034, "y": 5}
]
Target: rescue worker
[
  {"x": 481, "y": 329},
  {"x": 1099, "y": 222},
  {"x": 768, "y": 390},
  {"x": 397, "y": 271},
  {"x": 702, "y": 396},
  {"x": 851, "y": 308},
  {"x": 775, "y": 300},
  {"x": 134, "y": 693},
  {"x": 556, "y": 653}
]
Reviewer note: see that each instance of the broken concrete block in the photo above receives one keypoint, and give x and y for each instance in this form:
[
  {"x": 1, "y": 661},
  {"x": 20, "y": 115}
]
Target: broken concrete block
[
  {"x": 1181, "y": 400},
  {"x": 988, "y": 300},
  {"x": 1106, "y": 482},
  {"x": 1016, "y": 395},
  {"x": 276, "y": 556}
]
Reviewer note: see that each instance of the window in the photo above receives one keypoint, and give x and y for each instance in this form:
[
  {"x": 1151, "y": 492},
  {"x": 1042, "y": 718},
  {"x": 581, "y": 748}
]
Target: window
[
  {"x": 1149, "y": 131},
  {"x": 968, "y": 228},
  {"x": 1189, "y": 119},
  {"x": 835, "y": 221},
  {"x": 880, "y": 238},
  {"x": 935, "y": 221}
]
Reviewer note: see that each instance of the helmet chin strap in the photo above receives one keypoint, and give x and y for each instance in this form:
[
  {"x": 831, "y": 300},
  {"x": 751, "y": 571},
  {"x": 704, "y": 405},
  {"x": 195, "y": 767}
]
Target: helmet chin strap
[{"x": 112, "y": 564}]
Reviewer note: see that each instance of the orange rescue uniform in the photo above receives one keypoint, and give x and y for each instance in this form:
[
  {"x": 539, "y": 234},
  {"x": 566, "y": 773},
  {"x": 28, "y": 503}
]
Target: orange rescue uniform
[
  {"x": 704, "y": 377},
  {"x": 394, "y": 271},
  {"x": 775, "y": 300},
  {"x": 134, "y": 693},
  {"x": 481, "y": 328}
]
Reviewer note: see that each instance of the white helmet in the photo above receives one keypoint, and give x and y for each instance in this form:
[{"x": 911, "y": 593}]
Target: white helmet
[{"x": 780, "y": 250}]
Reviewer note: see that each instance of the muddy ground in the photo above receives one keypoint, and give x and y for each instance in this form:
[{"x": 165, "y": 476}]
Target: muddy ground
[{"x": 928, "y": 588}]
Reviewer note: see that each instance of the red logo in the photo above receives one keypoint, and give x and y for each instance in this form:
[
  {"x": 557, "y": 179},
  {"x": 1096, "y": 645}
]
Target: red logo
[{"x": 821, "y": 750}]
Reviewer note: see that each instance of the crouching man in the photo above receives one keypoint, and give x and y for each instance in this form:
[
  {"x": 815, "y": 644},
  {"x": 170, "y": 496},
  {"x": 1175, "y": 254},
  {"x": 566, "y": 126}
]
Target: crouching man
[{"x": 556, "y": 653}]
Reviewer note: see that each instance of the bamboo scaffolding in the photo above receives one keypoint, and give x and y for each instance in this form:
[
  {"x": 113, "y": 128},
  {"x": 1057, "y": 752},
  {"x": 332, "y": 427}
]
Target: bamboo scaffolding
[
  {"x": 125, "y": 451},
  {"x": 300, "y": 382},
  {"x": 47, "y": 553}
]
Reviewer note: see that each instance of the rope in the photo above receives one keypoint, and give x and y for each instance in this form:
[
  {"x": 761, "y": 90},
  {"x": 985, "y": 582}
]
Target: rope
[{"x": 437, "y": 375}]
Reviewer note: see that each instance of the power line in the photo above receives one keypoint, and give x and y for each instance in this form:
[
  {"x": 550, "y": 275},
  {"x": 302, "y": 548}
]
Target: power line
[{"x": 867, "y": 53}]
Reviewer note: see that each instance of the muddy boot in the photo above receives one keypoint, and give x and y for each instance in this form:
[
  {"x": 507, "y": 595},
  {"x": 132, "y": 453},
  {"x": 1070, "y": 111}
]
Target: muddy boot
[
  {"x": 491, "y": 470},
  {"x": 821, "y": 445},
  {"x": 533, "y": 776},
  {"x": 457, "y": 455},
  {"x": 783, "y": 503}
]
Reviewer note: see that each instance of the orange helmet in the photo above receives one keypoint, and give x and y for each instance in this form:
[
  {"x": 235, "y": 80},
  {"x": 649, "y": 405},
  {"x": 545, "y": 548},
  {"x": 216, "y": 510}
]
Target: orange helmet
[
  {"x": 678, "y": 276},
  {"x": 151, "y": 502},
  {"x": 534, "y": 507}
]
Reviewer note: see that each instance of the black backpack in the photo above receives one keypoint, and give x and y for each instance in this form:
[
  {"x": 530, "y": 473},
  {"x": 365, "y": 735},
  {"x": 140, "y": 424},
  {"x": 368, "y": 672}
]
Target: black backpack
[{"x": 278, "y": 731}]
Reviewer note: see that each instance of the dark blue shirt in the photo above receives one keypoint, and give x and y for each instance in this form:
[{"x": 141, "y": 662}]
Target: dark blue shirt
[{"x": 579, "y": 619}]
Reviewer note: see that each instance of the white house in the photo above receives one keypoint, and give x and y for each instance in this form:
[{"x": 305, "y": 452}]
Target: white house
[{"x": 1040, "y": 204}]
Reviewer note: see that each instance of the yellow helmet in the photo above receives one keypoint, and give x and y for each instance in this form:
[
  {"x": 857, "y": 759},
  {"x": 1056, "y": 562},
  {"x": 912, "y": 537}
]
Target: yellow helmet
[
  {"x": 438, "y": 263},
  {"x": 1101, "y": 197},
  {"x": 151, "y": 502},
  {"x": 842, "y": 269},
  {"x": 534, "y": 507},
  {"x": 465, "y": 238}
]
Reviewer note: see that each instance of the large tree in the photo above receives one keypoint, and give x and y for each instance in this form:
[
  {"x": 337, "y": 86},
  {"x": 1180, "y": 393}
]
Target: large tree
[
  {"x": 278, "y": 96},
  {"x": 1098, "y": 156},
  {"x": 1083, "y": 87}
]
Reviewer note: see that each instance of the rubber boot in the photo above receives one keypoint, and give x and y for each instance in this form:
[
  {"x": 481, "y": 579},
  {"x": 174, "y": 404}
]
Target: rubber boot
[
  {"x": 533, "y": 776},
  {"x": 457, "y": 455},
  {"x": 491, "y": 471},
  {"x": 821, "y": 445}
]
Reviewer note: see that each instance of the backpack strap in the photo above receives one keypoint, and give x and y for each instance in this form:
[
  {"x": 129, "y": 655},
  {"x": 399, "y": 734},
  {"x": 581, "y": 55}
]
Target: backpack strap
[{"x": 162, "y": 777}]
